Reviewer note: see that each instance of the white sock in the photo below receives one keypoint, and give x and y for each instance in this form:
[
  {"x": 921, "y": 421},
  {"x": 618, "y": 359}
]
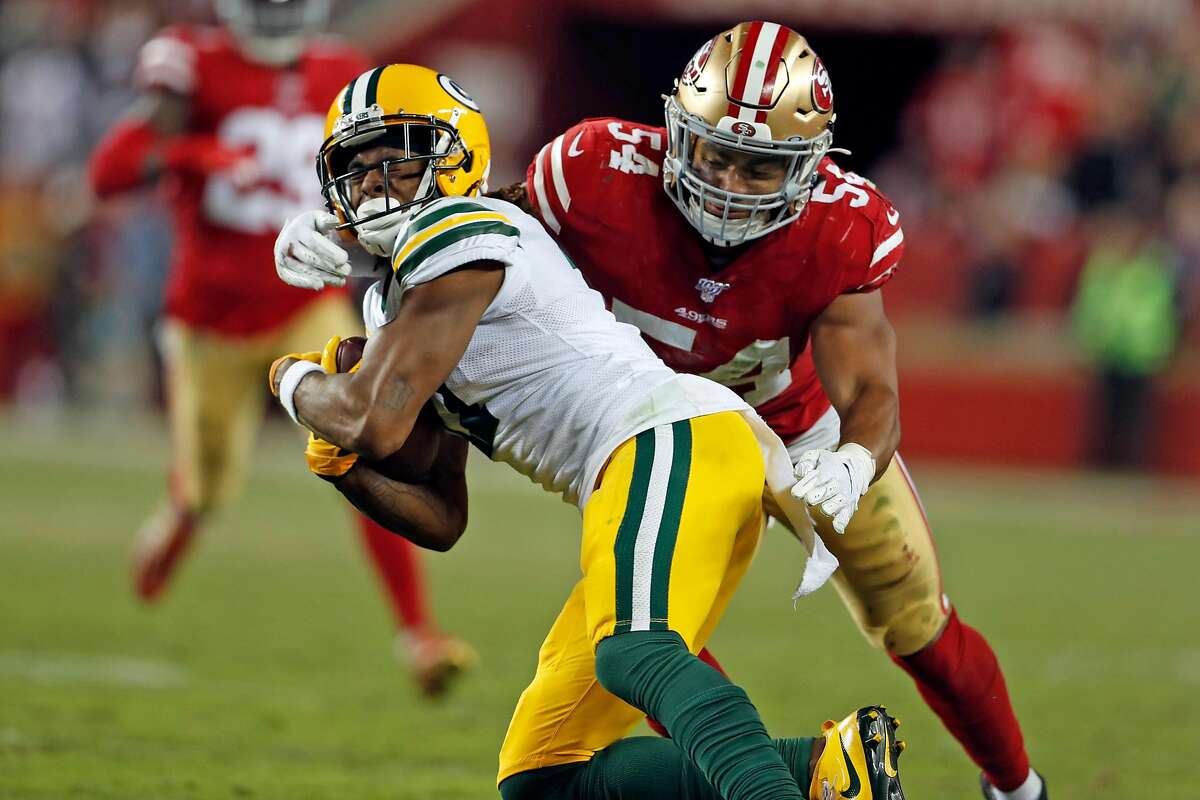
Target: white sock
[{"x": 1031, "y": 789}]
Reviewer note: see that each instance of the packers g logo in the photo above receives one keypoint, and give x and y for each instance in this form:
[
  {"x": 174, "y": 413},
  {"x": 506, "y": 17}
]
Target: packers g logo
[
  {"x": 822, "y": 89},
  {"x": 692, "y": 71},
  {"x": 457, "y": 92}
]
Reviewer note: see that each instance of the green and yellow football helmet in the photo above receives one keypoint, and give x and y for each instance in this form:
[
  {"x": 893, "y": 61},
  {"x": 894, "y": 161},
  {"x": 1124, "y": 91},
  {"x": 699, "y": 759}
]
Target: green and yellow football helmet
[{"x": 412, "y": 108}]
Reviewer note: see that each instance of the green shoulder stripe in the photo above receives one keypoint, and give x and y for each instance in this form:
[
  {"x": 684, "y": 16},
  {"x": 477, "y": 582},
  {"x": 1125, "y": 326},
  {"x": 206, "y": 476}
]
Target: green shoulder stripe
[
  {"x": 448, "y": 238},
  {"x": 427, "y": 219}
]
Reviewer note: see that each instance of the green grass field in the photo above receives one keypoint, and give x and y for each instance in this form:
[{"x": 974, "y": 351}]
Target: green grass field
[{"x": 267, "y": 672}]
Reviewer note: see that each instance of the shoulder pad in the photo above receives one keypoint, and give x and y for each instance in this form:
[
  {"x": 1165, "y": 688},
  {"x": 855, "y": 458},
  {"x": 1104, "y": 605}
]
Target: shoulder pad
[
  {"x": 864, "y": 223},
  {"x": 448, "y": 233},
  {"x": 567, "y": 178}
]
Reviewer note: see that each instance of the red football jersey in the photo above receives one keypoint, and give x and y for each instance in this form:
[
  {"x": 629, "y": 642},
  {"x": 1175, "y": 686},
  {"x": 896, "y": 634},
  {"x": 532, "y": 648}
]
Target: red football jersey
[
  {"x": 598, "y": 189},
  {"x": 223, "y": 274}
]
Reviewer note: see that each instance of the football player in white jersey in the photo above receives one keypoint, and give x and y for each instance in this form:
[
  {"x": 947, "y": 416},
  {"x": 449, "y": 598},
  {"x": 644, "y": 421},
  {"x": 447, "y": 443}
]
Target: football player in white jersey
[{"x": 484, "y": 316}]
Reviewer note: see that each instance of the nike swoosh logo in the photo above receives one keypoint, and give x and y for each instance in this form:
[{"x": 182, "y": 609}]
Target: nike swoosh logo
[
  {"x": 855, "y": 785},
  {"x": 893, "y": 215},
  {"x": 888, "y": 767},
  {"x": 574, "y": 150}
]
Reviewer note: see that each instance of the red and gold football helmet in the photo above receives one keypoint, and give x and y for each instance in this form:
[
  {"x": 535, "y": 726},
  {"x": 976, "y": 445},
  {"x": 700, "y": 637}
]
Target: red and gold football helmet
[{"x": 759, "y": 89}]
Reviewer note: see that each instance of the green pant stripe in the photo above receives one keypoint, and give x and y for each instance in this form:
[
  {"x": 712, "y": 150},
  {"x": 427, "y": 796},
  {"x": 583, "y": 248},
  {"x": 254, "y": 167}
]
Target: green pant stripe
[
  {"x": 668, "y": 529},
  {"x": 631, "y": 521}
]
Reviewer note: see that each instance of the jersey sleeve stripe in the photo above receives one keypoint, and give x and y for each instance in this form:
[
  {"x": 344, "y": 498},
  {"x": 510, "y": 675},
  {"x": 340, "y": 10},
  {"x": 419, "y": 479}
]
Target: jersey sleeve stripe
[
  {"x": 556, "y": 171},
  {"x": 427, "y": 219},
  {"x": 412, "y": 243},
  {"x": 539, "y": 191},
  {"x": 447, "y": 239},
  {"x": 879, "y": 279},
  {"x": 887, "y": 246}
]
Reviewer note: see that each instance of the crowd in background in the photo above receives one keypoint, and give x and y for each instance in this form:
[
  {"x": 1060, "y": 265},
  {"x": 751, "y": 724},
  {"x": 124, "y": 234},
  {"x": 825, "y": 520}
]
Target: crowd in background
[
  {"x": 1053, "y": 171},
  {"x": 1043, "y": 170}
]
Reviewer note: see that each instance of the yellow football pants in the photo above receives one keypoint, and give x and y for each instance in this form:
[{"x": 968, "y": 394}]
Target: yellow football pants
[
  {"x": 217, "y": 390},
  {"x": 667, "y": 537}
]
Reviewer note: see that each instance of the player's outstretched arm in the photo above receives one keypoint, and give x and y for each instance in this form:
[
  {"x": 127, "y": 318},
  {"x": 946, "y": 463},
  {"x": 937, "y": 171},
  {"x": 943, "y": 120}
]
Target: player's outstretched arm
[
  {"x": 854, "y": 348},
  {"x": 431, "y": 514},
  {"x": 132, "y": 152},
  {"x": 371, "y": 411}
]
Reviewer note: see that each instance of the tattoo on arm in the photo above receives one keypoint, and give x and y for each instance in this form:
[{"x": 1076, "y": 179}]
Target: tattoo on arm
[{"x": 396, "y": 395}]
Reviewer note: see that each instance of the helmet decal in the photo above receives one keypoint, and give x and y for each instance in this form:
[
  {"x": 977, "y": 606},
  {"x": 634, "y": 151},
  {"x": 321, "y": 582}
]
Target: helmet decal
[
  {"x": 457, "y": 92},
  {"x": 743, "y": 128},
  {"x": 692, "y": 71},
  {"x": 822, "y": 89}
]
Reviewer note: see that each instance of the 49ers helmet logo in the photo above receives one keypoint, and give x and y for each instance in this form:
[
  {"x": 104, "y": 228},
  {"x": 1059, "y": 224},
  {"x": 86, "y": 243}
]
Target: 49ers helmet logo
[
  {"x": 742, "y": 128},
  {"x": 822, "y": 89},
  {"x": 692, "y": 71}
]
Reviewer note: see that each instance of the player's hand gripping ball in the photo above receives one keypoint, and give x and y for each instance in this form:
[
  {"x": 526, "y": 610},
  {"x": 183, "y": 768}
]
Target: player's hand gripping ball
[{"x": 413, "y": 462}]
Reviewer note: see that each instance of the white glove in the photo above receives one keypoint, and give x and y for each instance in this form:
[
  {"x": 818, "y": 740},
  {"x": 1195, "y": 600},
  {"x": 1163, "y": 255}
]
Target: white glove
[
  {"x": 378, "y": 236},
  {"x": 304, "y": 255},
  {"x": 833, "y": 481}
]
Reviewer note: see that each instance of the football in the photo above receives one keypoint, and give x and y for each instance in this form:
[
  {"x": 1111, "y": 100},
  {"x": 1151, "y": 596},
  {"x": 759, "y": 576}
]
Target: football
[{"x": 413, "y": 462}]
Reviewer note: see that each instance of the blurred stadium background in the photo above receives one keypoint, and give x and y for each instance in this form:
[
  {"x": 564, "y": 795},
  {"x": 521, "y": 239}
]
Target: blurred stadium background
[{"x": 1046, "y": 157}]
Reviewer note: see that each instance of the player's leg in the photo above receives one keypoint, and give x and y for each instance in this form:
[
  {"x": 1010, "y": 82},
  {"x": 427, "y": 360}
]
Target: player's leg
[
  {"x": 564, "y": 740},
  {"x": 638, "y": 767},
  {"x": 214, "y": 402},
  {"x": 891, "y": 582},
  {"x": 668, "y": 536},
  {"x": 435, "y": 657}
]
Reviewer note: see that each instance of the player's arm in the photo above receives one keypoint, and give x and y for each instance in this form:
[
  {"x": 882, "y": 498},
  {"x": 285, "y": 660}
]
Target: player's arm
[
  {"x": 854, "y": 349},
  {"x": 135, "y": 151},
  {"x": 431, "y": 514},
  {"x": 372, "y": 410}
]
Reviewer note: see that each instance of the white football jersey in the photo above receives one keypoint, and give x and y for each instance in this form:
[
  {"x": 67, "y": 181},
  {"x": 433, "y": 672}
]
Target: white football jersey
[{"x": 550, "y": 382}]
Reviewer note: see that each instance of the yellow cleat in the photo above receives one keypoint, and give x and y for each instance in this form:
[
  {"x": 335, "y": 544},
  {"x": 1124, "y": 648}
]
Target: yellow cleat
[{"x": 860, "y": 758}]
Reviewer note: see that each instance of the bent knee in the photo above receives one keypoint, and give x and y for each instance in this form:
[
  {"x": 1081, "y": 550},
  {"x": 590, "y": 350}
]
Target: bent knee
[{"x": 624, "y": 659}]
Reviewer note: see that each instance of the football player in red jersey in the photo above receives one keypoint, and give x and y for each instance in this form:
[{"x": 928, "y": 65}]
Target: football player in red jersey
[
  {"x": 230, "y": 121},
  {"x": 792, "y": 250}
]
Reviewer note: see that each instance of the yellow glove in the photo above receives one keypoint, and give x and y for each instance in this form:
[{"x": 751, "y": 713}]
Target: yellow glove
[
  {"x": 314, "y": 357},
  {"x": 329, "y": 357},
  {"x": 328, "y": 360},
  {"x": 327, "y": 460}
]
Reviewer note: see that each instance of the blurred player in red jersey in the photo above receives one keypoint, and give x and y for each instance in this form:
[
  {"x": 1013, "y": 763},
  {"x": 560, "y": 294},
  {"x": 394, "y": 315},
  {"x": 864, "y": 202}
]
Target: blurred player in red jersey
[
  {"x": 760, "y": 245},
  {"x": 230, "y": 121}
]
